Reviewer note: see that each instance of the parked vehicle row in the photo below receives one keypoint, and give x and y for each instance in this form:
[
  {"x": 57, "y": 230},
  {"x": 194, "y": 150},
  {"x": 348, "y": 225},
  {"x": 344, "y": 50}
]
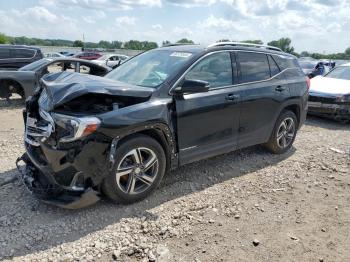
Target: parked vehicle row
[
  {"x": 119, "y": 134},
  {"x": 312, "y": 67},
  {"x": 25, "y": 80},
  {"x": 13, "y": 57},
  {"x": 111, "y": 60},
  {"x": 330, "y": 95}
]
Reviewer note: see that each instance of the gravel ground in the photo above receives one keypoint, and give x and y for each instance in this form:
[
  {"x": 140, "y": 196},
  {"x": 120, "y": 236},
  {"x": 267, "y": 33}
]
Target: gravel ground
[{"x": 248, "y": 205}]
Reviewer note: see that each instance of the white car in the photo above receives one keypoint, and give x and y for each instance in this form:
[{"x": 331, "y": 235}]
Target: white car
[
  {"x": 330, "y": 94},
  {"x": 111, "y": 60},
  {"x": 53, "y": 55}
]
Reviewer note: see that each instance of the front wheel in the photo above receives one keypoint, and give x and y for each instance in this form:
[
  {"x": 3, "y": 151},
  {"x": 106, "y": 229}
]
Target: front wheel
[
  {"x": 139, "y": 167},
  {"x": 283, "y": 134}
]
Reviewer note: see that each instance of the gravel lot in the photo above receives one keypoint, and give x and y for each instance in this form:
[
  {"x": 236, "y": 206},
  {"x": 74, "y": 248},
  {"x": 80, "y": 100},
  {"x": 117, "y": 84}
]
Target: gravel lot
[{"x": 248, "y": 205}]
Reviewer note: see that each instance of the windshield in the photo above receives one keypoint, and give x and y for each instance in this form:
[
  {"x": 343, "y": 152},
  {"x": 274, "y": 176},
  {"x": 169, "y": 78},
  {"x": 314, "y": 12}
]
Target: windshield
[
  {"x": 151, "y": 68},
  {"x": 341, "y": 72},
  {"x": 306, "y": 65},
  {"x": 35, "y": 65}
]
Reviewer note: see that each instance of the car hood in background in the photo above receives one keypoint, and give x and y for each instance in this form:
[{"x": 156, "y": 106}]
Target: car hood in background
[
  {"x": 329, "y": 86},
  {"x": 65, "y": 86}
]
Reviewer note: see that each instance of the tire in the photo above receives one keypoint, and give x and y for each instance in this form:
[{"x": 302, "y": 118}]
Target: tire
[
  {"x": 139, "y": 167},
  {"x": 283, "y": 135}
]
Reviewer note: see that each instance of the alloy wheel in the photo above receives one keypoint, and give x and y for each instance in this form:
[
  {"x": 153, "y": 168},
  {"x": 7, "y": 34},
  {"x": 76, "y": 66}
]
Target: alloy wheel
[
  {"x": 137, "y": 170},
  {"x": 286, "y": 132}
]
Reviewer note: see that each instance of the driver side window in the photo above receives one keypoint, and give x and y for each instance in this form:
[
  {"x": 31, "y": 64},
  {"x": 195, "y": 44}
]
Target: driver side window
[{"x": 215, "y": 69}]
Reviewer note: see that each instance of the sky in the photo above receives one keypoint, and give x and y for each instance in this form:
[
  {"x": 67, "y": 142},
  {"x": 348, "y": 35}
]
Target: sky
[{"x": 313, "y": 25}]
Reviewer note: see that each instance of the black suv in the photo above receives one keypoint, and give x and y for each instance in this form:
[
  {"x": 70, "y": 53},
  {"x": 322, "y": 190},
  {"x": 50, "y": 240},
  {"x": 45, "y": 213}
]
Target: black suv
[
  {"x": 164, "y": 108},
  {"x": 15, "y": 56}
]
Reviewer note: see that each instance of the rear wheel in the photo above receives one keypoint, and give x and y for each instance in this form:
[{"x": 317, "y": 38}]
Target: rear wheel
[
  {"x": 139, "y": 168},
  {"x": 283, "y": 134}
]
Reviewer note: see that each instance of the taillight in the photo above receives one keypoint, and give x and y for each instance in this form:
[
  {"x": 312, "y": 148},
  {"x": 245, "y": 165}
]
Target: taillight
[{"x": 308, "y": 82}]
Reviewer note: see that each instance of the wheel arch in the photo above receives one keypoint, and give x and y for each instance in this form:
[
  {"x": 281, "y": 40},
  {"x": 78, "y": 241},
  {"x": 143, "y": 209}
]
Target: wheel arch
[
  {"x": 6, "y": 82},
  {"x": 295, "y": 108},
  {"x": 163, "y": 135}
]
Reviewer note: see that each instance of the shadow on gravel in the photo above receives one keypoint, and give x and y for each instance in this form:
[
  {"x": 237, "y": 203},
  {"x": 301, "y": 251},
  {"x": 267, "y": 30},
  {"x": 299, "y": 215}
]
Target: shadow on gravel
[
  {"x": 14, "y": 103},
  {"x": 327, "y": 123},
  {"x": 15, "y": 201}
]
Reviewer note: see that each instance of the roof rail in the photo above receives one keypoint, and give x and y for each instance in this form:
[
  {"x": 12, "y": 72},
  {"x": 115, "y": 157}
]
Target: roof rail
[
  {"x": 245, "y": 44},
  {"x": 178, "y": 44}
]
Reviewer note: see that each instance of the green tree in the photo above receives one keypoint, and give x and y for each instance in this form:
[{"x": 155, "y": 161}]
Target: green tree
[
  {"x": 347, "y": 51},
  {"x": 185, "y": 41},
  {"x": 105, "y": 44},
  {"x": 166, "y": 42},
  {"x": 305, "y": 54},
  {"x": 133, "y": 44},
  {"x": 3, "y": 39},
  {"x": 223, "y": 40},
  {"x": 78, "y": 43},
  {"x": 257, "y": 42},
  {"x": 284, "y": 44},
  {"x": 117, "y": 44}
]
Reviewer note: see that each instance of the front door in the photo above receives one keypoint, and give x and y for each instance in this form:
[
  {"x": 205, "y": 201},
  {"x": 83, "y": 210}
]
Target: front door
[{"x": 207, "y": 123}]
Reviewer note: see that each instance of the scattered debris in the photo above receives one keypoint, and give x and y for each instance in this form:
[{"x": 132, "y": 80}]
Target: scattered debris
[{"x": 256, "y": 242}]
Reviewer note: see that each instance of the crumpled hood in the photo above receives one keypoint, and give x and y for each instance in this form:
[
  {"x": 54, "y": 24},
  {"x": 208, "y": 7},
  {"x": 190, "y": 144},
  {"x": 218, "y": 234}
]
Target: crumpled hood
[
  {"x": 63, "y": 87},
  {"x": 329, "y": 86}
]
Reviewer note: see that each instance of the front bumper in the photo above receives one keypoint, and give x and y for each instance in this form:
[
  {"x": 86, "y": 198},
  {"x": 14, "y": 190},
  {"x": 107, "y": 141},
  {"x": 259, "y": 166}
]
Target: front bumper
[
  {"x": 339, "y": 111},
  {"x": 67, "y": 178},
  {"x": 39, "y": 184}
]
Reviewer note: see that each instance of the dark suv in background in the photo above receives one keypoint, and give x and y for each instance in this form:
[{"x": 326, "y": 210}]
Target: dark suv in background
[
  {"x": 164, "y": 108},
  {"x": 13, "y": 57}
]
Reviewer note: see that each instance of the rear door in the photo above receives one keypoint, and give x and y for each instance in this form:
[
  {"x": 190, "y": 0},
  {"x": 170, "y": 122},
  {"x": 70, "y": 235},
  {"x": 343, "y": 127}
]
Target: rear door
[
  {"x": 264, "y": 90},
  {"x": 22, "y": 56},
  {"x": 207, "y": 123}
]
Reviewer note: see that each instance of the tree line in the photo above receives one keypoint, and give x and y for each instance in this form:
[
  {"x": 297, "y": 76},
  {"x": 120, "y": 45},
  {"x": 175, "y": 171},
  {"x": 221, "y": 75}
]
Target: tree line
[{"x": 283, "y": 43}]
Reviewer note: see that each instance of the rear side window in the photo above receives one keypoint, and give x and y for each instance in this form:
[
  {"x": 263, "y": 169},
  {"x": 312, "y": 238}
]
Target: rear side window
[
  {"x": 4, "y": 53},
  {"x": 273, "y": 66},
  {"x": 23, "y": 53},
  {"x": 285, "y": 62},
  {"x": 254, "y": 67},
  {"x": 215, "y": 69}
]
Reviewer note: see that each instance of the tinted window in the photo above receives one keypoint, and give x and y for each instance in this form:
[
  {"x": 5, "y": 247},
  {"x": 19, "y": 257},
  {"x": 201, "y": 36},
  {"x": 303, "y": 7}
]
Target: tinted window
[
  {"x": 284, "y": 61},
  {"x": 254, "y": 67},
  {"x": 23, "y": 53},
  {"x": 215, "y": 69},
  {"x": 4, "y": 53},
  {"x": 273, "y": 66}
]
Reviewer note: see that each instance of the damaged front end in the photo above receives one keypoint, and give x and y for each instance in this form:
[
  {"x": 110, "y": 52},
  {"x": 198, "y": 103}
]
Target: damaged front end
[
  {"x": 66, "y": 156},
  {"x": 330, "y": 106}
]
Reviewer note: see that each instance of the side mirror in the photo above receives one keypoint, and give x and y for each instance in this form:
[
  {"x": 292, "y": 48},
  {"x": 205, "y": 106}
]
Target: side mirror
[{"x": 192, "y": 87}]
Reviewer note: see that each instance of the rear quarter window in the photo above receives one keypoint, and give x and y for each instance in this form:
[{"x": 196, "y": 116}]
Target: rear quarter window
[
  {"x": 23, "y": 53},
  {"x": 285, "y": 62},
  {"x": 4, "y": 53},
  {"x": 253, "y": 67},
  {"x": 273, "y": 66}
]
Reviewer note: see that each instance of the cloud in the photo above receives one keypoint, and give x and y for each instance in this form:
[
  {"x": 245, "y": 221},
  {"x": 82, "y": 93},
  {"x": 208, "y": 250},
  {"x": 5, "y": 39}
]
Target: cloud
[
  {"x": 106, "y": 4},
  {"x": 157, "y": 26},
  {"x": 38, "y": 21},
  {"x": 125, "y": 21},
  {"x": 313, "y": 25},
  {"x": 191, "y": 3}
]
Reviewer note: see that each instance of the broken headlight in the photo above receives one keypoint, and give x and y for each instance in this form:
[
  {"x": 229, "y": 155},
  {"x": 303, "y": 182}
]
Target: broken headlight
[{"x": 76, "y": 127}]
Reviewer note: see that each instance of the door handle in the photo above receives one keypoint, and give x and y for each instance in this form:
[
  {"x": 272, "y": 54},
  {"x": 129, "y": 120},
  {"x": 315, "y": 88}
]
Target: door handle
[
  {"x": 232, "y": 97},
  {"x": 280, "y": 88}
]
